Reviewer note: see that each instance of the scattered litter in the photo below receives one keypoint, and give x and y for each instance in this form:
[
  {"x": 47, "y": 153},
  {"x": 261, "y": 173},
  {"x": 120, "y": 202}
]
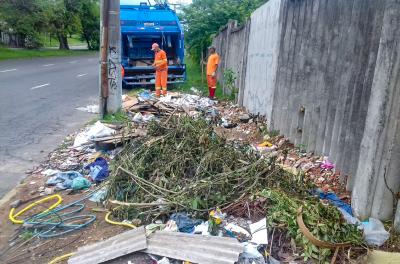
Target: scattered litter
[
  {"x": 98, "y": 130},
  {"x": 63, "y": 180},
  {"x": 214, "y": 221},
  {"x": 236, "y": 231},
  {"x": 245, "y": 118},
  {"x": 171, "y": 226},
  {"x": 334, "y": 200},
  {"x": 164, "y": 260},
  {"x": 251, "y": 255},
  {"x": 138, "y": 118},
  {"x": 185, "y": 224},
  {"x": 145, "y": 95},
  {"x": 98, "y": 169},
  {"x": 259, "y": 232},
  {"x": 94, "y": 109},
  {"x": 374, "y": 232},
  {"x": 327, "y": 165},
  {"x": 50, "y": 172},
  {"x": 202, "y": 229},
  {"x": 80, "y": 183},
  {"x": 99, "y": 196}
]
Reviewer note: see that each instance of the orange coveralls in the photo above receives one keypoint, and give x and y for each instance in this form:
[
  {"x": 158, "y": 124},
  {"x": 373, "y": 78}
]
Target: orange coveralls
[
  {"x": 212, "y": 65},
  {"x": 161, "y": 64}
]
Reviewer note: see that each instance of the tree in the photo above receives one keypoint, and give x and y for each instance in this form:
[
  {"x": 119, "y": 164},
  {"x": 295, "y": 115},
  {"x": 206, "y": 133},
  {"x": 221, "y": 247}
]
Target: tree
[
  {"x": 62, "y": 18},
  {"x": 204, "y": 18},
  {"x": 24, "y": 20},
  {"x": 90, "y": 19}
]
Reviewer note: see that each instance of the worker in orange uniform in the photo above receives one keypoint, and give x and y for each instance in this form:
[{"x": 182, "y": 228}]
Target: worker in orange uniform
[
  {"x": 212, "y": 67},
  {"x": 161, "y": 66}
]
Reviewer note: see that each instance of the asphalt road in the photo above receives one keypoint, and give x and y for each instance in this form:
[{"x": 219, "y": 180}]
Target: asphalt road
[{"x": 38, "y": 101}]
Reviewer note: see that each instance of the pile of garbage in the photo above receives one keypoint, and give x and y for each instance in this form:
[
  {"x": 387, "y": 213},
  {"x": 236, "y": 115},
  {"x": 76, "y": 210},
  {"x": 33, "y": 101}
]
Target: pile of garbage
[
  {"x": 183, "y": 166},
  {"x": 200, "y": 175}
]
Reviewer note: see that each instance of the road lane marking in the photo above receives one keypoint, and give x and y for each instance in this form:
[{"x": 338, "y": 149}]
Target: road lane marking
[
  {"x": 80, "y": 75},
  {"x": 73, "y": 62},
  {"x": 10, "y": 70},
  {"x": 40, "y": 86},
  {"x": 48, "y": 65}
]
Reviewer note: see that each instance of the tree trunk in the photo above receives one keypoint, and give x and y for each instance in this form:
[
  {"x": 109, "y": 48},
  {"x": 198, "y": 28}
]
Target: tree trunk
[{"x": 62, "y": 38}]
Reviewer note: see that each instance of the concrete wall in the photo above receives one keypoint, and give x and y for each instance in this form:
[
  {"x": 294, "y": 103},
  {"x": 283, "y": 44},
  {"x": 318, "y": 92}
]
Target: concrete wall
[
  {"x": 326, "y": 74},
  {"x": 232, "y": 41}
]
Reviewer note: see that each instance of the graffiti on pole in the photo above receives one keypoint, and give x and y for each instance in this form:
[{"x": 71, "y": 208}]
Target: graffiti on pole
[{"x": 112, "y": 69}]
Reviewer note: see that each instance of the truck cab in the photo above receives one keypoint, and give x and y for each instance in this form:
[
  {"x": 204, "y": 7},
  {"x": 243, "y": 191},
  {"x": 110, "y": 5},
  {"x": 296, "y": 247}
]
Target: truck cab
[{"x": 141, "y": 26}]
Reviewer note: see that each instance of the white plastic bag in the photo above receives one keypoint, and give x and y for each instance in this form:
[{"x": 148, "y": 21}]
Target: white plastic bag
[
  {"x": 98, "y": 130},
  {"x": 375, "y": 233}
]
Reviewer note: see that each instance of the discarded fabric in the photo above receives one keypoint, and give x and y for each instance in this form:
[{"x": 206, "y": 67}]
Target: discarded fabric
[
  {"x": 185, "y": 224},
  {"x": 80, "y": 183},
  {"x": 327, "y": 165},
  {"x": 98, "y": 169},
  {"x": 334, "y": 200},
  {"x": 63, "y": 180}
]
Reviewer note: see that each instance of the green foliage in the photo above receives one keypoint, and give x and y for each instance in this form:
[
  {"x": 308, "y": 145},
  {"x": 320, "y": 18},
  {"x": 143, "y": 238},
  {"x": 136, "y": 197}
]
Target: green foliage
[
  {"x": 117, "y": 117},
  {"x": 204, "y": 18},
  {"x": 324, "y": 222},
  {"x": 229, "y": 81},
  {"x": 89, "y": 17},
  {"x": 28, "y": 20},
  {"x": 23, "y": 19}
]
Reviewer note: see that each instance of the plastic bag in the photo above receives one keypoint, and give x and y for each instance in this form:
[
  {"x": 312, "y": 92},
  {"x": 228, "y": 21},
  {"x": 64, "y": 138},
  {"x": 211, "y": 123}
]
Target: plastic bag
[
  {"x": 80, "y": 183},
  {"x": 251, "y": 255},
  {"x": 374, "y": 232},
  {"x": 185, "y": 224}
]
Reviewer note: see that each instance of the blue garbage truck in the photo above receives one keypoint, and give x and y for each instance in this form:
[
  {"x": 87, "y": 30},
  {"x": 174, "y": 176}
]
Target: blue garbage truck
[{"x": 142, "y": 25}]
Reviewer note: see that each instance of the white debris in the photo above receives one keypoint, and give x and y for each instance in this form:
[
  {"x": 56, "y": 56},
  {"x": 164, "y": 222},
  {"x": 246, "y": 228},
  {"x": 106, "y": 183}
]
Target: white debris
[
  {"x": 98, "y": 130},
  {"x": 94, "y": 109},
  {"x": 50, "y": 172},
  {"x": 259, "y": 232}
]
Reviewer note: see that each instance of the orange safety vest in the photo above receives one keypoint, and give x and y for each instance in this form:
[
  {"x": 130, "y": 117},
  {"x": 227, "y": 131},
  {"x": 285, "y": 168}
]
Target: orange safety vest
[{"x": 160, "y": 60}]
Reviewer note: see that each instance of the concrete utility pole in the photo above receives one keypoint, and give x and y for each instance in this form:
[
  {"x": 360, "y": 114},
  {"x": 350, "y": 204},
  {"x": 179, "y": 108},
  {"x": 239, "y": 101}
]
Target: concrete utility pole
[{"x": 110, "y": 57}]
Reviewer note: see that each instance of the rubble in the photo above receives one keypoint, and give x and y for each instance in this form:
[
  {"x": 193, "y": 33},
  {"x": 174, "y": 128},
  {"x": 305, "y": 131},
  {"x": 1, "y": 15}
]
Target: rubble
[{"x": 185, "y": 155}]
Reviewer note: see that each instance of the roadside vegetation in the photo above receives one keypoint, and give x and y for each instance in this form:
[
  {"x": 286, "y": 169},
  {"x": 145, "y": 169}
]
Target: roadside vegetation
[
  {"x": 204, "y": 18},
  {"x": 197, "y": 79},
  {"x": 26, "y": 22},
  {"x": 7, "y": 53}
]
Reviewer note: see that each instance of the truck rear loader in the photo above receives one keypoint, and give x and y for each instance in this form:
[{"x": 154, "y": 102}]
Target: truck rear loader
[{"x": 141, "y": 26}]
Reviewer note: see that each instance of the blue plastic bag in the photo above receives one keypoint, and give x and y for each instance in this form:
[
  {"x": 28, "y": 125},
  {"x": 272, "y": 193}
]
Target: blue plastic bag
[{"x": 98, "y": 169}]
